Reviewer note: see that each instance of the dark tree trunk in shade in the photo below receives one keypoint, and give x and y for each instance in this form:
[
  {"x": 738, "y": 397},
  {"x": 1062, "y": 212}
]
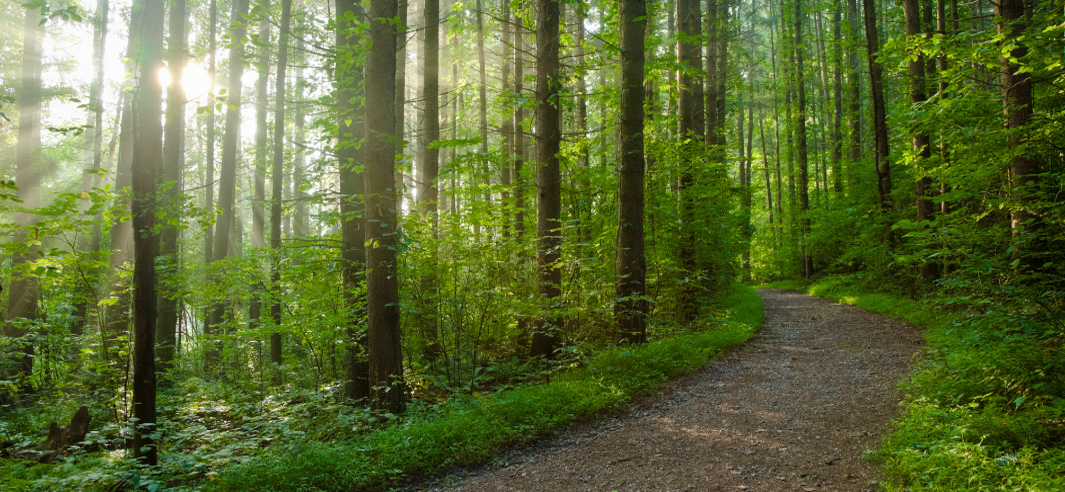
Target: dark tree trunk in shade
[
  {"x": 921, "y": 143},
  {"x": 883, "y": 168},
  {"x": 630, "y": 308},
  {"x": 800, "y": 137},
  {"x": 170, "y": 177},
  {"x": 690, "y": 127},
  {"x": 352, "y": 129},
  {"x": 262, "y": 104},
  {"x": 837, "y": 98},
  {"x": 22, "y": 292},
  {"x": 548, "y": 178},
  {"x": 147, "y": 159},
  {"x": 765, "y": 164},
  {"x": 277, "y": 181},
  {"x": 482, "y": 112},
  {"x": 854, "y": 87},
  {"x": 230, "y": 145},
  {"x": 382, "y": 284},
  {"x": 1017, "y": 107}
]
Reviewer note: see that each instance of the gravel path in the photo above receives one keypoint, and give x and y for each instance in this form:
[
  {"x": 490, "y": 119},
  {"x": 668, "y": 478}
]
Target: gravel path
[{"x": 794, "y": 409}]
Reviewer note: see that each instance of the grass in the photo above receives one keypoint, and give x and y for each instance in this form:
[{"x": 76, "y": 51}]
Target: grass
[
  {"x": 985, "y": 409},
  {"x": 475, "y": 430}
]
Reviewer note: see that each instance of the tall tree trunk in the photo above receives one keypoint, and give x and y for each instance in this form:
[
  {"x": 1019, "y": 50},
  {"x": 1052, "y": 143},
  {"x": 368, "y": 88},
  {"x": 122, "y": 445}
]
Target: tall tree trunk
[
  {"x": 262, "y": 103},
  {"x": 147, "y": 156},
  {"x": 630, "y": 309},
  {"x": 548, "y": 178},
  {"x": 429, "y": 161},
  {"x": 922, "y": 147},
  {"x": 170, "y": 176},
  {"x": 93, "y": 156},
  {"x": 401, "y": 96},
  {"x": 209, "y": 154},
  {"x": 883, "y": 168},
  {"x": 353, "y": 233},
  {"x": 382, "y": 283},
  {"x": 301, "y": 226},
  {"x": 854, "y": 88},
  {"x": 800, "y": 134},
  {"x": 277, "y": 180},
  {"x": 506, "y": 120},
  {"x": 583, "y": 210},
  {"x": 1017, "y": 107},
  {"x": 837, "y": 98},
  {"x": 519, "y": 127},
  {"x": 765, "y": 164},
  {"x": 482, "y": 112},
  {"x": 776, "y": 122},
  {"x": 690, "y": 128},
  {"x": 22, "y": 292},
  {"x": 230, "y": 145}
]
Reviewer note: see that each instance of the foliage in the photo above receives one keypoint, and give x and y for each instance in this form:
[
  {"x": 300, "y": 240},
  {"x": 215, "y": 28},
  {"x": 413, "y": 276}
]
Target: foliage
[{"x": 985, "y": 409}]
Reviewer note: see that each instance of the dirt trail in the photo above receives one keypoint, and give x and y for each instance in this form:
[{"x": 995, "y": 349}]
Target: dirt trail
[{"x": 792, "y": 410}]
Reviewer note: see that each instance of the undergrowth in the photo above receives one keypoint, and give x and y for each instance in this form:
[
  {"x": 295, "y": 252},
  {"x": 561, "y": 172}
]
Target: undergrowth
[
  {"x": 985, "y": 409},
  {"x": 304, "y": 441}
]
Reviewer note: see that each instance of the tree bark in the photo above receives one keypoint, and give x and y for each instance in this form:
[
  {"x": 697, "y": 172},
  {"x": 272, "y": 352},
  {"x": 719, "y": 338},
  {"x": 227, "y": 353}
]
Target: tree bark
[
  {"x": 277, "y": 181},
  {"x": 837, "y": 98},
  {"x": 382, "y": 285},
  {"x": 506, "y": 120},
  {"x": 883, "y": 167},
  {"x": 209, "y": 153},
  {"x": 548, "y": 178},
  {"x": 170, "y": 176},
  {"x": 921, "y": 145},
  {"x": 854, "y": 85},
  {"x": 429, "y": 162},
  {"x": 800, "y": 136},
  {"x": 230, "y": 144},
  {"x": 519, "y": 128},
  {"x": 352, "y": 129},
  {"x": 147, "y": 157},
  {"x": 22, "y": 292},
  {"x": 1017, "y": 108},
  {"x": 630, "y": 308},
  {"x": 690, "y": 128}
]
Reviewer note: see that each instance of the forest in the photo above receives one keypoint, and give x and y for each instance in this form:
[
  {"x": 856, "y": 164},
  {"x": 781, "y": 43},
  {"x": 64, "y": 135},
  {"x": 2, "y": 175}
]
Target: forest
[{"x": 351, "y": 244}]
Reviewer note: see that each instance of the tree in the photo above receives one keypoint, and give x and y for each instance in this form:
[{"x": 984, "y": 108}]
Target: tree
[
  {"x": 1017, "y": 107},
  {"x": 548, "y": 177},
  {"x": 147, "y": 156},
  {"x": 922, "y": 147},
  {"x": 277, "y": 179},
  {"x": 382, "y": 285},
  {"x": 883, "y": 167},
  {"x": 800, "y": 120},
  {"x": 351, "y": 128},
  {"x": 230, "y": 142},
  {"x": 170, "y": 177},
  {"x": 429, "y": 152},
  {"x": 630, "y": 308},
  {"x": 691, "y": 131}
]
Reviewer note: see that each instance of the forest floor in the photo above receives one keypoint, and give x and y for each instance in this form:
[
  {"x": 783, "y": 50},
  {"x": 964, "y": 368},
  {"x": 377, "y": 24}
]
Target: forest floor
[{"x": 795, "y": 409}]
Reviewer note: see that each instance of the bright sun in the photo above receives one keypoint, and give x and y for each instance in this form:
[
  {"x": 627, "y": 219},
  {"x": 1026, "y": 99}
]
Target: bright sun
[{"x": 195, "y": 81}]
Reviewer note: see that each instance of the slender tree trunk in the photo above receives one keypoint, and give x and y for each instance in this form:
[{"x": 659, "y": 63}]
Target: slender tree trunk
[
  {"x": 1017, "y": 107},
  {"x": 401, "y": 96},
  {"x": 690, "y": 127},
  {"x": 519, "y": 128},
  {"x": 382, "y": 285},
  {"x": 630, "y": 309},
  {"x": 353, "y": 233},
  {"x": 837, "y": 98},
  {"x": 883, "y": 168},
  {"x": 482, "y": 101},
  {"x": 548, "y": 178},
  {"x": 277, "y": 180},
  {"x": 922, "y": 147},
  {"x": 584, "y": 185},
  {"x": 506, "y": 120},
  {"x": 854, "y": 88},
  {"x": 301, "y": 226},
  {"x": 430, "y": 131},
  {"x": 765, "y": 164},
  {"x": 22, "y": 292},
  {"x": 800, "y": 133},
  {"x": 230, "y": 144},
  {"x": 170, "y": 175},
  {"x": 147, "y": 157},
  {"x": 212, "y": 37},
  {"x": 258, "y": 215}
]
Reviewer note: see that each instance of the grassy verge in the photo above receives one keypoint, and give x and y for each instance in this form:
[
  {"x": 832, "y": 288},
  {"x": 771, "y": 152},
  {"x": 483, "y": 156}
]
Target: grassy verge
[
  {"x": 475, "y": 430},
  {"x": 985, "y": 410}
]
